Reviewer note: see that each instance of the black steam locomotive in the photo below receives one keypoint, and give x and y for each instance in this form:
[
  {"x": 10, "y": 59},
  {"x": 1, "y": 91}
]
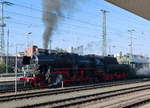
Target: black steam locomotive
[{"x": 49, "y": 69}]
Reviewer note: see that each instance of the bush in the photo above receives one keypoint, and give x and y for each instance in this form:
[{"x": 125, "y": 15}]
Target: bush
[{"x": 3, "y": 68}]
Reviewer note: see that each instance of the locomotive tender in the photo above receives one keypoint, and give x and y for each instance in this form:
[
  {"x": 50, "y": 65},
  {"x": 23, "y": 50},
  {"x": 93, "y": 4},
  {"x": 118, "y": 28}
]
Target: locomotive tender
[{"x": 50, "y": 69}]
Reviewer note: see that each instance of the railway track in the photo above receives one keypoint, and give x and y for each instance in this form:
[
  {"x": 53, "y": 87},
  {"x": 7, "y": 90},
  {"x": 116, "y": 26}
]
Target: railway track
[
  {"x": 96, "y": 92},
  {"x": 22, "y": 88},
  {"x": 77, "y": 101},
  {"x": 140, "y": 103},
  {"x": 41, "y": 92},
  {"x": 8, "y": 86}
]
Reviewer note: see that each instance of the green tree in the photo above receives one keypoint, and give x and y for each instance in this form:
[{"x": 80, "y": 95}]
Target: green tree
[{"x": 3, "y": 68}]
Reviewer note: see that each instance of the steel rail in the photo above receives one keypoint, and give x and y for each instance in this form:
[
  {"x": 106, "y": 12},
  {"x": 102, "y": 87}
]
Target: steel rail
[
  {"x": 65, "y": 90},
  {"x": 70, "y": 102}
]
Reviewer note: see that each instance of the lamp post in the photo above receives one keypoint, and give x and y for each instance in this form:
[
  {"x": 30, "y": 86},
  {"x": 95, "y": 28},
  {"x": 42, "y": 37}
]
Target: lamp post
[
  {"x": 113, "y": 49},
  {"x": 27, "y": 37},
  {"x": 16, "y": 67},
  {"x": 50, "y": 45},
  {"x": 7, "y": 51}
]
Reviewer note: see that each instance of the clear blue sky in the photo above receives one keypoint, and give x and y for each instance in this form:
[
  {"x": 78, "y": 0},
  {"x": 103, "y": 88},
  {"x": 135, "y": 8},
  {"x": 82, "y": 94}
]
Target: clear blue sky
[{"x": 82, "y": 26}]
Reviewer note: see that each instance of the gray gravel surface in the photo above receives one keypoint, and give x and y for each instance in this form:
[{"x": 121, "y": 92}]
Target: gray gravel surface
[
  {"x": 120, "y": 101},
  {"x": 43, "y": 99},
  {"x": 145, "y": 106}
]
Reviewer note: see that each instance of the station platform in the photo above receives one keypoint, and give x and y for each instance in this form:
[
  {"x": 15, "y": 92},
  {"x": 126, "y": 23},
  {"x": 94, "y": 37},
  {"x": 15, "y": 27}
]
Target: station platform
[
  {"x": 8, "y": 83},
  {"x": 7, "y": 79}
]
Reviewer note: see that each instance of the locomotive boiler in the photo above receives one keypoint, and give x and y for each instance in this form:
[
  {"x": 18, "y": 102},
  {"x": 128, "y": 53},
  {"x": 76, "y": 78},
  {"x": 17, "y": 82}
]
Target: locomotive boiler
[{"x": 50, "y": 69}]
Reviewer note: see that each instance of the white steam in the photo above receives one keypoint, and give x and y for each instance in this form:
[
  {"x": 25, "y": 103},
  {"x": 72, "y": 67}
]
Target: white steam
[{"x": 144, "y": 72}]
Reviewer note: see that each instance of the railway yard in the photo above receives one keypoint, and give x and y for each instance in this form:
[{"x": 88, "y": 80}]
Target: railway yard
[
  {"x": 74, "y": 54},
  {"x": 119, "y": 94}
]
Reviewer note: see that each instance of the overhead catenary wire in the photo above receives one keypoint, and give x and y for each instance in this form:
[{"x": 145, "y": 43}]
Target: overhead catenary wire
[
  {"x": 67, "y": 18},
  {"x": 68, "y": 30},
  {"x": 40, "y": 10},
  {"x": 95, "y": 27},
  {"x": 112, "y": 11},
  {"x": 68, "y": 24},
  {"x": 74, "y": 26}
]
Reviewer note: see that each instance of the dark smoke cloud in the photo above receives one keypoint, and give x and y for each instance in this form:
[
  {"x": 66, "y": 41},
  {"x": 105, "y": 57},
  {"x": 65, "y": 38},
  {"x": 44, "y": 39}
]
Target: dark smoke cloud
[{"x": 52, "y": 12}]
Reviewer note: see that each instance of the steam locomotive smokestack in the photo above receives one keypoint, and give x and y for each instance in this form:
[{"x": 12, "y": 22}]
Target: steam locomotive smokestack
[{"x": 52, "y": 11}]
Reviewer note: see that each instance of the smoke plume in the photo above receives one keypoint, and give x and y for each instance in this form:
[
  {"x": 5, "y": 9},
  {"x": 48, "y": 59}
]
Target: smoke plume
[
  {"x": 52, "y": 12},
  {"x": 145, "y": 72}
]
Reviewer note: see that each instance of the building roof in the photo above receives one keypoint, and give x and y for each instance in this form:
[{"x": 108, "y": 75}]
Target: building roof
[{"x": 139, "y": 7}]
